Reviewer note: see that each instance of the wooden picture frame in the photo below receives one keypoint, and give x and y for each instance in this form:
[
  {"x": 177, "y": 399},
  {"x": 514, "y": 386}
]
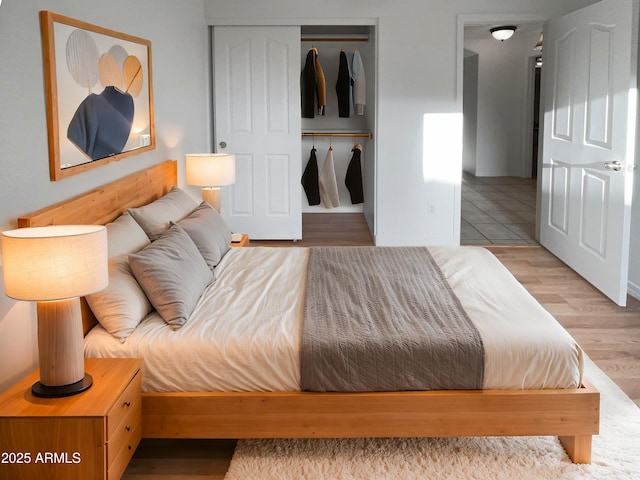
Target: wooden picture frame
[{"x": 99, "y": 94}]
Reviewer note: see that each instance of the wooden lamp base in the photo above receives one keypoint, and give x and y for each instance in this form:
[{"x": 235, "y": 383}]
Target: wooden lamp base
[
  {"x": 60, "y": 350},
  {"x": 211, "y": 195}
]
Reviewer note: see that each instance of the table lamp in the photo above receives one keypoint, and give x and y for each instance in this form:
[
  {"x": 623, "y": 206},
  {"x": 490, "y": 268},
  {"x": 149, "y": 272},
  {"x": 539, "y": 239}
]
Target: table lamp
[
  {"x": 211, "y": 171},
  {"x": 54, "y": 266}
]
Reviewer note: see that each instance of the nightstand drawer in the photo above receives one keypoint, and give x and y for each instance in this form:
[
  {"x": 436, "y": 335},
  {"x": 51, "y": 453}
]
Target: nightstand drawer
[
  {"x": 130, "y": 400},
  {"x": 125, "y": 434},
  {"x": 121, "y": 448}
]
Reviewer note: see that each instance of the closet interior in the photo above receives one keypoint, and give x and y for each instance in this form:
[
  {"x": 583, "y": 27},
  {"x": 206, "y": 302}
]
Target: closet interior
[{"x": 334, "y": 128}]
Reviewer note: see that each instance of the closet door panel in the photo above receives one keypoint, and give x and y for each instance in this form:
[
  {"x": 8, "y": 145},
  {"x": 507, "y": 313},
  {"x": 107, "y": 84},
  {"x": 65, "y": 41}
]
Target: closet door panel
[
  {"x": 278, "y": 87},
  {"x": 257, "y": 118},
  {"x": 239, "y": 111},
  {"x": 242, "y": 190},
  {"x": 278, "y": 179}
]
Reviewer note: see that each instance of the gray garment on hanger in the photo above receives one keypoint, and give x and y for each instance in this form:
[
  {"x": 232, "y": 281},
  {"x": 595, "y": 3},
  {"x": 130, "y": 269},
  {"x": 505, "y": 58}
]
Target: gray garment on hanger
[{"x": 328, "y": 183}]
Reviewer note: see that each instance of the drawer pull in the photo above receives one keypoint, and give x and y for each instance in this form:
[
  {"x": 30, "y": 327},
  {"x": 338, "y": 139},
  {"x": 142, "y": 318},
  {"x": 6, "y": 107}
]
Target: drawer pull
[
  {"x": 129, "y": 447},
  {"x": 127, "y": 428},
  {"x": 127, "y": 404}
]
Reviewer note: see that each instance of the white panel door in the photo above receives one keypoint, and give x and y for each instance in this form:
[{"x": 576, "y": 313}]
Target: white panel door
[
  {"x": 257, "y": 118},
  {"x": 589, "y": 141}
]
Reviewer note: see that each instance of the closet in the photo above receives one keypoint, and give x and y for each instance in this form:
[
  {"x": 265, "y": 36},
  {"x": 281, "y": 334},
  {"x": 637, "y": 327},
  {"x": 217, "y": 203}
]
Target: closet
[
  {"x": 334, "y": 130},
  {"x": 258, "y": 118}
]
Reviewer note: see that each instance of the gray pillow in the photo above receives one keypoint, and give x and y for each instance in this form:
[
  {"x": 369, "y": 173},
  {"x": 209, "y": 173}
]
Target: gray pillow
[
  {"x": 209, "y": 232},
  {"x": 155, "y": 218},
  {"x": 173, "y": 274}
]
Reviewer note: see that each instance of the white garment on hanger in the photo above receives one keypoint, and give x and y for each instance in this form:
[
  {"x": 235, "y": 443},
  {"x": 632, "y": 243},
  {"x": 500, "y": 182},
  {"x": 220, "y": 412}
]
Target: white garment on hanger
[
  {"x": 359, "y": 84},
  {"x": 328, "y": 183}
]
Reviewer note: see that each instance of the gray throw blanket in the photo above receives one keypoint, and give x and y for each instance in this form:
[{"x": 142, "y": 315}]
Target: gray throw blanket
[{"x": 385, "y": 319}]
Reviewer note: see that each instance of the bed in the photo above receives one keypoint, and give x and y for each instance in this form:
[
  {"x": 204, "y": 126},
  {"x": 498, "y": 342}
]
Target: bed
[{"x": 277, "y": 408}]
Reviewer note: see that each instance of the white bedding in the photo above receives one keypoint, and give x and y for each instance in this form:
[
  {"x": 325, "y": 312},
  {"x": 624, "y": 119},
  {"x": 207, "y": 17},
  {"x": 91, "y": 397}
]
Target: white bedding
[{"x": 244, "y": 334}]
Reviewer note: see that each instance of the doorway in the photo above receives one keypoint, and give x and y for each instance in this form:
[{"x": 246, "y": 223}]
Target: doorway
[
  {"x": 499, "y": 179},
  {"x": 537, "y": 75}
]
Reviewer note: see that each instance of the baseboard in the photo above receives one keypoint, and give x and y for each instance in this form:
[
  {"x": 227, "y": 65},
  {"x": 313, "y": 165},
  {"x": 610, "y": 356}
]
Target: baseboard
[
  {"x": 412, "y": 241},
  {"x": 633, "y": 290}
]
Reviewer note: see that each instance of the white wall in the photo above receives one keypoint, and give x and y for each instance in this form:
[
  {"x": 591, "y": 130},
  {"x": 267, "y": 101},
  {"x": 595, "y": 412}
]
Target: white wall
[
  {"x": 179, "y": 39},
  {"x": 503, "y": 78},
  {"x": 470, "y": 112},
  {"x": 634, "y": 248}
]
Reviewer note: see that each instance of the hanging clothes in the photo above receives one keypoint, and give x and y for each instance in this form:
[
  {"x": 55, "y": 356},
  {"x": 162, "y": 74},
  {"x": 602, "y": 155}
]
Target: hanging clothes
[
  {"x": 310, "y": 179},
  {"x": 313, "y": 89},
  {"x": 343, "y": 86},
  {"x": 359, "y": 84},
  {"x": 353, "y": 178},
  {"x": 321, "y": 85},
  {"x": 328, "y": 183},
  {"x": 308, "y": 86}
]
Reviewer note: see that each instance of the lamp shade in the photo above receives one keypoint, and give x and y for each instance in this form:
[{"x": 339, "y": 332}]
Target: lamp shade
[
  {"x": 210, "y": 169},
  {"x": 55, "y": 262},
  {"x": 503, "y": 33}
]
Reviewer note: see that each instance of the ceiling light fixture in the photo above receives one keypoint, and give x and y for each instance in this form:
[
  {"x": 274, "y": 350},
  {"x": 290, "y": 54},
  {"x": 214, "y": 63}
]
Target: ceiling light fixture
[{"x": 502, "y": 33}]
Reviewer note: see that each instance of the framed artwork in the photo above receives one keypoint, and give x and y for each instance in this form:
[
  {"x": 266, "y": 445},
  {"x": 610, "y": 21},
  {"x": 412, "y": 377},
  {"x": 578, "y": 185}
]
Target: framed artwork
[{"x": 98, "y": 92}]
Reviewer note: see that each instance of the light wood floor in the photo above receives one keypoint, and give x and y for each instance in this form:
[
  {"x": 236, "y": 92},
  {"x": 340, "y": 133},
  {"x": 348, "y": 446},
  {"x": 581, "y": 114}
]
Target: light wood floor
[{"x": 609, "y": 334}]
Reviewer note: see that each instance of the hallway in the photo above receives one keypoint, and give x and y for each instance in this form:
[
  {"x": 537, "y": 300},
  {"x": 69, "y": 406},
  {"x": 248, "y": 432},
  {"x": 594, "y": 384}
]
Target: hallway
[{"x": 498, "y": 210}]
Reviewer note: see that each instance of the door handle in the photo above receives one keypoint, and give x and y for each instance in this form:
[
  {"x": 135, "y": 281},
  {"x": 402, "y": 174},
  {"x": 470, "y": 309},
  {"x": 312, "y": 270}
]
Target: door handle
[
  {"x": 616, "y": 166},
  {"x": 222, "y": 144}
]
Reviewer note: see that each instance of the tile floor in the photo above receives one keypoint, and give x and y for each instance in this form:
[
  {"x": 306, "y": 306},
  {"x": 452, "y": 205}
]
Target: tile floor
[{"x": 498, "y": 211}]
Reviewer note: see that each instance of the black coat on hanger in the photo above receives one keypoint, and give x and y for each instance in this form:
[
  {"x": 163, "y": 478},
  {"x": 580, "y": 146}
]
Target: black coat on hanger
[
  {"x": 343, "y": 86},
  {"x": 353, "y": 178},
  {"x": 310, "y": 181}
]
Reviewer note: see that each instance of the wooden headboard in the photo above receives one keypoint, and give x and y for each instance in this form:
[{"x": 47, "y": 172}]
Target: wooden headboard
[{"x": 104, "y": 204}]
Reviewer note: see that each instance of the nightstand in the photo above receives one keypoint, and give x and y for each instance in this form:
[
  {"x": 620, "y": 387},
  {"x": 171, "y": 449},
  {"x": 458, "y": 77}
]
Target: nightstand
[
  {"x": 91, "y": 435},
  {"x": 244, "y": 241}
]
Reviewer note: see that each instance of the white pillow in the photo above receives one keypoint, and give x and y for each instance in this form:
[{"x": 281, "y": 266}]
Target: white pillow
[
  {"x": 173, "y": 274},
  {"x": 121, "y": 306},
  {"x": 125, "y": 235},
  {"x": 209, "y": 232},
  {"x": 155, "y": 218}
]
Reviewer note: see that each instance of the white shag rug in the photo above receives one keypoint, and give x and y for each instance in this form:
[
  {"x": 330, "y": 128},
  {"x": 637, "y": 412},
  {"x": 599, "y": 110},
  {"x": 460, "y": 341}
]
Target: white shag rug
[{"x": 616, "y": 453}]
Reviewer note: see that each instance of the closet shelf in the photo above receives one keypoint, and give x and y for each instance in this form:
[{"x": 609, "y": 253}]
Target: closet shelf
[
  {"x": 310, "y": 38},
  {"x": 338, "y": 134}
]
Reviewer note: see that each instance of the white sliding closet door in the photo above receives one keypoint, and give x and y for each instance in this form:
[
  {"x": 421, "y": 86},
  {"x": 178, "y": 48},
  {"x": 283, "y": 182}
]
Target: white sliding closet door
[{"x": 257, "y": 118}]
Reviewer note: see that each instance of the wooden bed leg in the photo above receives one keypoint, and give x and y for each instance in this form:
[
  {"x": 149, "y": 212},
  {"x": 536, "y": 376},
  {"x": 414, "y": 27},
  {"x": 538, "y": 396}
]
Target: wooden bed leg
[{"x": 578, "y": 448}]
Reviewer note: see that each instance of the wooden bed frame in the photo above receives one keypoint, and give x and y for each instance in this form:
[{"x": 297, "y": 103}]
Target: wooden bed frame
[{"x": 571, "y": 414}]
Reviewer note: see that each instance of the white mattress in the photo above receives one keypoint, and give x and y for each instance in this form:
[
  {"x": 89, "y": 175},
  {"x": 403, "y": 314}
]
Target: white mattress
[{"x": 244, "y": 334}]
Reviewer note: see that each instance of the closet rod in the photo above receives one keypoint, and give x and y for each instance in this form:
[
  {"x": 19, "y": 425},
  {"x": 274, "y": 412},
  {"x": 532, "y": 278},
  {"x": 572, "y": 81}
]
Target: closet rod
[
  {"x": 335, "y": 39},
  {"x": 337, "y": 134}
]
